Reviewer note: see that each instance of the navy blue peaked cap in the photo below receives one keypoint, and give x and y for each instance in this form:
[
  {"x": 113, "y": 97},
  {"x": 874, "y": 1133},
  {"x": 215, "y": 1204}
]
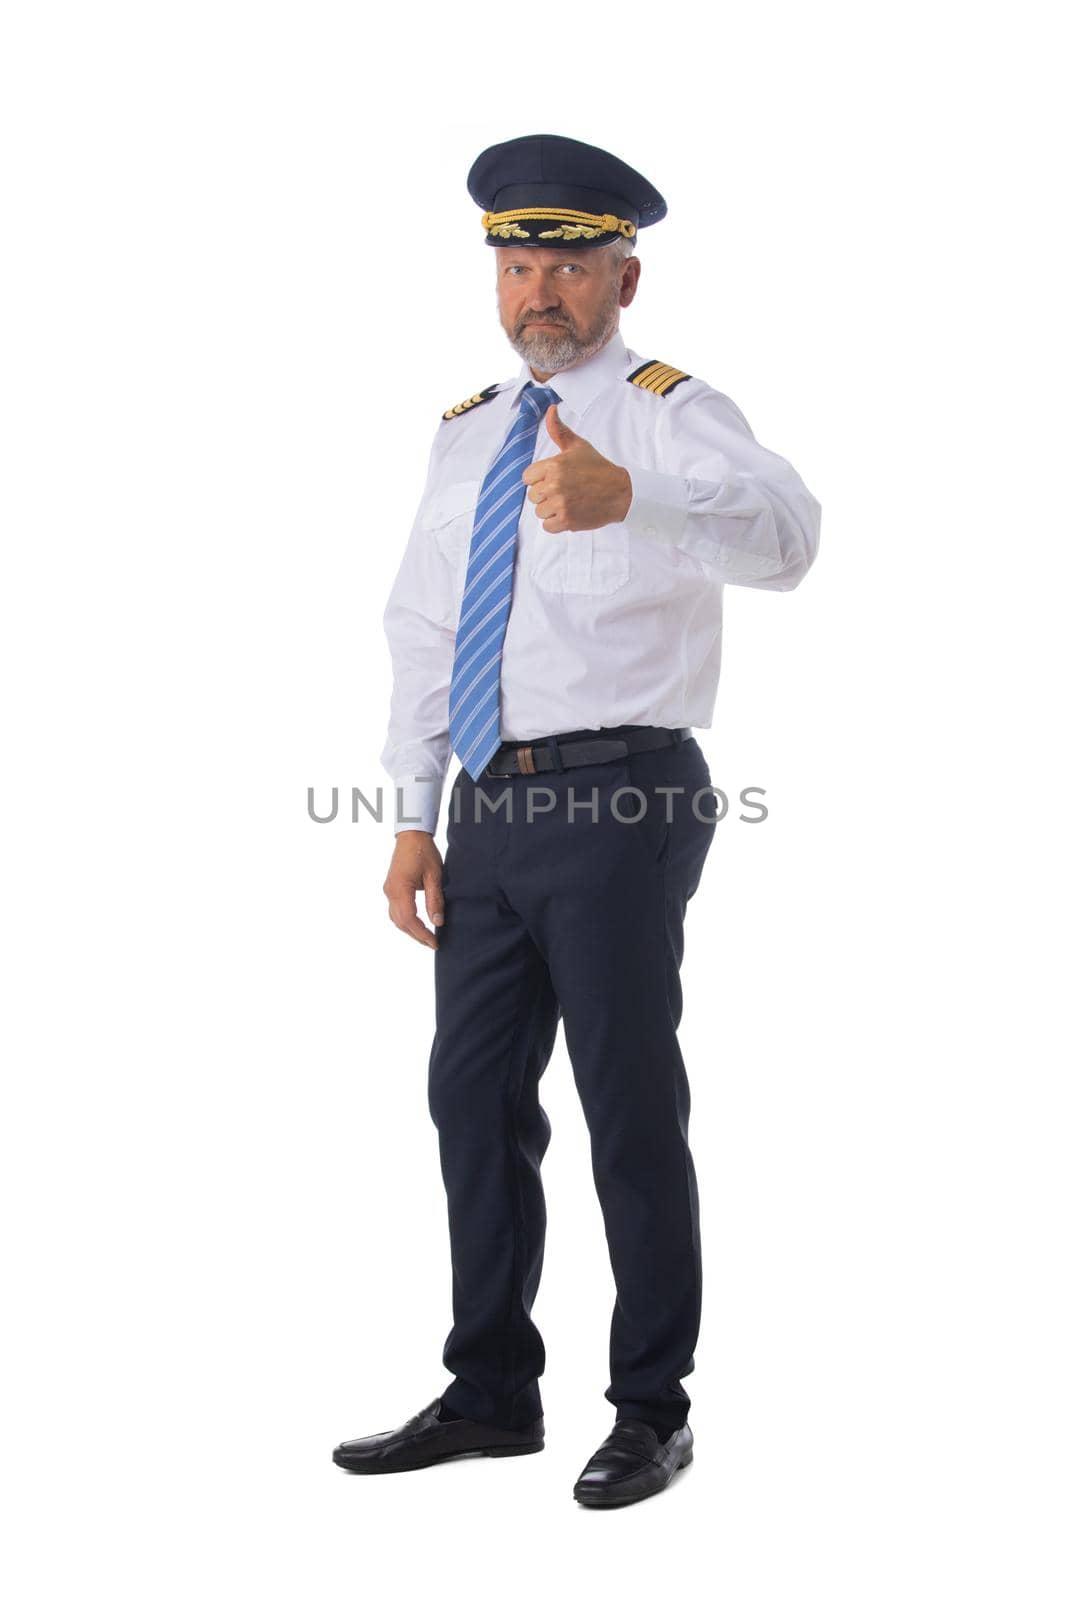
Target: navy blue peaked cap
[{"x": 553, "y": 192}]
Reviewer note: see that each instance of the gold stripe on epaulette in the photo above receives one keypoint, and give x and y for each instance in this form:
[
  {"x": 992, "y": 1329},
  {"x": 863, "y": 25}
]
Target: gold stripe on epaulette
[
  {"x": 466, "y": 405},
  {"x": 658, "y": 377}
]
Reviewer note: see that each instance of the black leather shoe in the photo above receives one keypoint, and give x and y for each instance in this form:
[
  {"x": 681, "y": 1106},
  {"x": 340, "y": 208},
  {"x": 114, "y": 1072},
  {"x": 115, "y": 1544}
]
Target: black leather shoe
[
  {"x": 631, "y": 1464},
  {"x": 426, "y": 1439}
]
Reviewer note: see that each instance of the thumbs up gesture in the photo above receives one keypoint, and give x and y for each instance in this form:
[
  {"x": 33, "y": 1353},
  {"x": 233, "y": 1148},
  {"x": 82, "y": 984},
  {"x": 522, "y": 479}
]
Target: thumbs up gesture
[{"x": 578, "y": 489}]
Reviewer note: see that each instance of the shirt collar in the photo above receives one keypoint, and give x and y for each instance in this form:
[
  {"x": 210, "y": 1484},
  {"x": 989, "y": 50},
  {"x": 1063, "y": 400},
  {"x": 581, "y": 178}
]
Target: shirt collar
[{"x": 579, "y": 385}]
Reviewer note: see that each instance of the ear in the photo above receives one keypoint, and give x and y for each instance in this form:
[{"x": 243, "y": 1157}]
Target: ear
[{"x": 628, "y": 282}]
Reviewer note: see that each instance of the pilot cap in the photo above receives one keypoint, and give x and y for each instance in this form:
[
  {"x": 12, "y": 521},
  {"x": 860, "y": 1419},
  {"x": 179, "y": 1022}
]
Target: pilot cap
[{"x": 548, "y": 191}]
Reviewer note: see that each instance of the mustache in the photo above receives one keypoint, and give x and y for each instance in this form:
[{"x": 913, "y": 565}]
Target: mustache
[{"x": 564, "y": 322}]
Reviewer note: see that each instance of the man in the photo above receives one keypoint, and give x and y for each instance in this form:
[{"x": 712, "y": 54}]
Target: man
[{"x": 556, "y": 621}]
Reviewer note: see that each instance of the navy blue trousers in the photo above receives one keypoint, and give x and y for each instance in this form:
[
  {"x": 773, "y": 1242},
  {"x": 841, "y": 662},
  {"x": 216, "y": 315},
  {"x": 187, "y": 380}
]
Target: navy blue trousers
[{"x": 550, "y": 912}]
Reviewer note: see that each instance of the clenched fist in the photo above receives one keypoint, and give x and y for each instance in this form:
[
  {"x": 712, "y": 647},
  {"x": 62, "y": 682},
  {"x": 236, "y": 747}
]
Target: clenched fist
[{"x": 579, "y": 489}]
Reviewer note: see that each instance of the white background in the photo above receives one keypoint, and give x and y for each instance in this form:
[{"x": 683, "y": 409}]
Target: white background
[{"x": 243, "y": 279}]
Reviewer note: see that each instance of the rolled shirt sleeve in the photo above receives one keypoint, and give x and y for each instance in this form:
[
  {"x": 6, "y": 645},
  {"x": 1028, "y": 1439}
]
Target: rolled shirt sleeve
[{"x": 740, "y": 510}]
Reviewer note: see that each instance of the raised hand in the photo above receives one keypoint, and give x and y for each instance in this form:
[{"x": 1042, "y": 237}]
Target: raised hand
[{"x": 578, "y": 489}]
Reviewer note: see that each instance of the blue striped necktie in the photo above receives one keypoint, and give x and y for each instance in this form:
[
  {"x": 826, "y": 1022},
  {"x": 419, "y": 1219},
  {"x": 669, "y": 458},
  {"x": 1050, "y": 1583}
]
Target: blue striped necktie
[{"x": 474, "y": 698}]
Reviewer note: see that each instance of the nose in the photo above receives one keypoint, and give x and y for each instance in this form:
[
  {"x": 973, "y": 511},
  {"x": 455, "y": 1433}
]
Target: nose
[{"x": 543, "y": 295}]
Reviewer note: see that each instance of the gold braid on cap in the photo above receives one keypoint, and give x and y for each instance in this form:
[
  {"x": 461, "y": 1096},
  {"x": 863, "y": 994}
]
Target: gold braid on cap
[{"x": 573, "y": 224}]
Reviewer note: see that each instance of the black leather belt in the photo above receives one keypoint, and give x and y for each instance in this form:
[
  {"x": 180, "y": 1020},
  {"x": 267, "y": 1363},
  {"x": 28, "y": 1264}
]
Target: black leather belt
[{"x": 581, "y": 747}]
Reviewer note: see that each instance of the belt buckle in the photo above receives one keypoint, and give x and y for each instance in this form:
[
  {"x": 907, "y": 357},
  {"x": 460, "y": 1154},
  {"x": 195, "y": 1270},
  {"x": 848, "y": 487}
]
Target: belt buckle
[{"x": 489, "y": 768}]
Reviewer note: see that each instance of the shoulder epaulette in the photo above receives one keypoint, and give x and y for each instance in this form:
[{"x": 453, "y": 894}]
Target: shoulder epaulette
[
  {"x": 466, "y": 405},
  {"x": 657, "y": 376}
]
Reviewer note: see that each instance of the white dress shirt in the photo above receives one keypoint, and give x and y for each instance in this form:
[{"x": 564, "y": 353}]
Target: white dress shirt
[{"x": 619, "y": 625}]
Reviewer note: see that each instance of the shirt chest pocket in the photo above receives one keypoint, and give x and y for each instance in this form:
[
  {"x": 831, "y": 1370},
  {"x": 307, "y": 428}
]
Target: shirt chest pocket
[
  {"x": 449, "y": 516},
  {"x": 595, "y": 562}
]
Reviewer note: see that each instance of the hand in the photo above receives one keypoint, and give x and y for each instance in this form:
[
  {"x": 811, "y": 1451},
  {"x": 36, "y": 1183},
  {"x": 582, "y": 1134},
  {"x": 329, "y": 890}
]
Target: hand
[
  {"x": 579, "y": 489},
  {"x": 416, "y": 864}
]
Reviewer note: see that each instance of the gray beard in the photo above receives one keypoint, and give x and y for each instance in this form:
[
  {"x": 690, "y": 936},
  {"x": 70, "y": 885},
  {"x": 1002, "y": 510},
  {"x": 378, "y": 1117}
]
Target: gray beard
[{"x": 552, "y": 352}]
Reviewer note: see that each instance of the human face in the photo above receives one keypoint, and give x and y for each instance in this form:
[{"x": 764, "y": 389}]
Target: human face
[{"x": 559, "y": 306}]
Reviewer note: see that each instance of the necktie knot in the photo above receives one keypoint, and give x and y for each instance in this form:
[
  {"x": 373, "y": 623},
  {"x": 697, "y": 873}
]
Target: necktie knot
[{"x": 538, "y": 398}]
